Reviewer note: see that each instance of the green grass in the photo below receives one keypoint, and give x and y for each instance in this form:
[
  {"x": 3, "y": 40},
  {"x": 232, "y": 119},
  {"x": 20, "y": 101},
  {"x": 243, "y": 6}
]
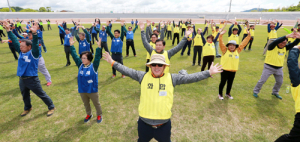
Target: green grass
[{"x": 198, "y": 115}]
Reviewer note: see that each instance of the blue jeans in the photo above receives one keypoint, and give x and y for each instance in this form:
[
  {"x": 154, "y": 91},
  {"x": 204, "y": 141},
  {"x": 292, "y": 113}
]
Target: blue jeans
[
  {"x": 161, "y": 134},
  {"x": 33, "y": 84},
  {"x": 41, "y": 41},
  {"x": 217, "y": 48},
  {"x": 189, "y": 44}
]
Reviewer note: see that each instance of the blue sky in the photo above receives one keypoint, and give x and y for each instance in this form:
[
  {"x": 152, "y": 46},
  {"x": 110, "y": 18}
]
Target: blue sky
[{"x": 129, "y": 6}]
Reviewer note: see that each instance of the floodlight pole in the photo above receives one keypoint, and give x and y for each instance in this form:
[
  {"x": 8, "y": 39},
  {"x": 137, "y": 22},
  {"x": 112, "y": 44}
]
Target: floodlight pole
[
  {"x": 8, "y": 6},
  {"x": 230, "y": 6}
]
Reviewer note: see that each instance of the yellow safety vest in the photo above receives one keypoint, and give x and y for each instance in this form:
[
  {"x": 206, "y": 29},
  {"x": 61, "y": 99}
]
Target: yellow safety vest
[
  {"x": 234, "y": 37},
  {"x": 215, "y": 34},
  {"x": 295, "y": 92},
  {"x": 1, "y": 28},
  {"x": 169, "y": 28},
  {"x": 176, "y": 30},
  {"x": 291, "y": 40},
  {"x": 252, "y": 32},
  {"x": 272, "y": 34},
  {"x": 183, "y": 26},
  {"x": 245, "y": 30},
  {"x": 156, "y": 99},
  {"x": 275, "y": 57},
  {"x": 209, "y": 49},
  {"x": 230, "y": 61},
  {"x": 221, "y": 26},
  {"x": 198, "y": 40},
  {"x": 153, "y": 46},
  {"x": 167, "y": 69}
]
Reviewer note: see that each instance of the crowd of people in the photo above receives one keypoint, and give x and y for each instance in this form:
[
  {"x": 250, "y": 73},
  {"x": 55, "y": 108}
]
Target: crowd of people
[{"x": 157, "y": 83}]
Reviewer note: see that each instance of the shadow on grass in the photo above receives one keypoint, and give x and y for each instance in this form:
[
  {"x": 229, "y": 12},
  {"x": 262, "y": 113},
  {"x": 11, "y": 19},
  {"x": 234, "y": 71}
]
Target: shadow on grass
[
  {"x": 72, "y": 133},
  {"x": 12, "y": 91},
  {"x": 58, "y": 69},
  {"x": 66, "y": 82},
  {"x": 10, "y": 76},
  {"x": 267, "y": 109},
  {"x": 7, "y": 62},
  {"x": 4, "y": 53},
  {"x": 135, "y": 95},
  {"x": 17, "y": 122}
]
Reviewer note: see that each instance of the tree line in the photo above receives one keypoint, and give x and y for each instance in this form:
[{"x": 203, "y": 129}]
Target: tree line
[
  {"x": 282, "y": 9},
  {"x": 20, "y": 9}
]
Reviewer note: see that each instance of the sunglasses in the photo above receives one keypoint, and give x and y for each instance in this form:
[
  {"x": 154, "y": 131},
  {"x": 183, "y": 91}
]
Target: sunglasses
[{"x": 154, "y": 65}]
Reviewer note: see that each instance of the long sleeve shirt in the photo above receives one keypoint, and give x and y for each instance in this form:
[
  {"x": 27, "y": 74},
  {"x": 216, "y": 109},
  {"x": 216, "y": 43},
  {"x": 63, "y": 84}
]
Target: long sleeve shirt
[
  {"x": 239, "y": 49},
  {"x": 230, "y": 30},
  {"x": 78, "y": 61},
  {"x": 177, "y": 79},
  {"x": 149, "y": 33},
  {"x": 171, "y": 52},
  {"x": 87, "y": 35},
  {"x": 281, "y": 39}
]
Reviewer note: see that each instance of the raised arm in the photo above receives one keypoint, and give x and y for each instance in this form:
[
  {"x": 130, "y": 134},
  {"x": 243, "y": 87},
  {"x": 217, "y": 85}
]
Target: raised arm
[
  {"x": 62, "y": 29},
  {"x": 269, "y": 29},
  {"x": 205, "y": 29},
  {"x": 134, "y": 74},
  {"x": 162, "y": 32},
  {"x": 230, "y": 30},
  {"x": 98, "y": 56},
  {"x": 216, "y": 38},
  {"x": 203, "y": 39},
  {"x": 76, "y": 34},
  {"x": 244, "y": 43},
  {"x": 135, "y": 28},
  {"x": 148, "y": 34},
  {"x": 296, "y": 42},
  {"x": 122, "y": 31},
  {"x": 240, "y": 29},
  {"x": 108, "y": 31},
  {"x": 75, "y": 57},
  {"x": 88, "y": 35},
  {"x": 292, "y": 63},
  {"x": 277, "y": 41},
  {"x": 222, "y": 45}
]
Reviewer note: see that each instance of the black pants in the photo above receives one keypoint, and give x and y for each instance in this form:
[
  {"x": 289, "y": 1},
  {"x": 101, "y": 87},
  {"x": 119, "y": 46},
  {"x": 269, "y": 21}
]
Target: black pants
[
  {"x": 197, "y": 50},
  {"x": 207, "y": 60},
  {"x": 104, "y": 45},
  {"x": 189, "y": 44},
  {"x": 94, "y": 35},
  {"x": 61, "y": 36},
  {"x": 226, "y": 76},
  {"x": 91, "y": 47},
  {"x": 294, "y": 135},
  {"x": 42, "y": 28},
  {"x": 249, "y": 43},
  {"x": 20, "y": 29},
  {"x": 1, "y": 33},
  {"x": 68, "y": 52},
  {"x": 118, "y": 58},
  {"x": 176, "y": 35},
  {"x": 244, "y": 36},
  {"x": 13, "y": 50},
  {"x": 147, "y": 68},
  {"x": 49, "y": 26},
  {"x": 169, "y": 35},
  {"x": 130, "y": 43},
  {"x": 33, "y": 84},
  {"x": 183, "y": 31},
  {"x": 161, "y": 134}
]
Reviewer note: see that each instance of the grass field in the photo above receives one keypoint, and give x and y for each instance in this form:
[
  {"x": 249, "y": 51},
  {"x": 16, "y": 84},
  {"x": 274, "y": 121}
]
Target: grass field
[{"x": 198, "y": 114}]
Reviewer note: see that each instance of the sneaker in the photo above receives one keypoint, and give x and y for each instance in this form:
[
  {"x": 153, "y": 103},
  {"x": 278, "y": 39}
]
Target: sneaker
[
  {"x": 172, "y": 44},
  {"x": 113, "y": 76},
  {"x": 134, "y": 55},
  {"x": 193, "y": 64},
  {"x": 99, "y": 119},
  {"x": 49, "y": 83},
  {"x": 45, "y": 51},
  {"x": 221, "y": 97},
  {"x": 50, "y": 112},
  {"x": 126, "y": 56},
  {"x": 87, "y": 119},
  {"x": 68, "y": 64},
  {"x": 25, "y": 112},
  {"x": 255, "y": 95},
  {"x": 229, "y": 96},
  {"x": 277, "y": 96},
  {"x": 199, "y": 64},
  {"x": 189, "y": 55},
  {"x": 123, "y": 76},
  {"x": 250, "y": 49}
]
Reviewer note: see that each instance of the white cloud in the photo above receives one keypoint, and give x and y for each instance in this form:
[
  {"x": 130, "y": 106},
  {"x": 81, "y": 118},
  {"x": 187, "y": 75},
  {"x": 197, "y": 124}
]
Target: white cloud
[{"x": 150, "y": 5}]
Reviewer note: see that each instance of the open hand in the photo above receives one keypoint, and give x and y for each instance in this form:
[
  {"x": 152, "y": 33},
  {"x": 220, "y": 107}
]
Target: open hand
[
  {"x": 99, "y": 43},
  {"x": 142, "y": 25},
  {"x": 71, "y": 40},
  {"x": 107, "y": 57},
  {"x": 214, "y": 69}
]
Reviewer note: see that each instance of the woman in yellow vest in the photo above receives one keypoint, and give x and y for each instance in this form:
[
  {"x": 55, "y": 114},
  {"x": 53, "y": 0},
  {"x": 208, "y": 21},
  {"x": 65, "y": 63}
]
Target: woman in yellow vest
[
  {"x": 230, "y": 62},
  {"x": 294, "y": 72},
  {"x": 176, "y": 33},
  {"x": 188, "y": 43},
  {"x": 246, "y": 29},
  {"x": 251, "y": 30},
  {"x": 157, "y": 93},
  {"x": 272, "y": 31},
  {"x": 169, "y": 31},
  {"x": 183, "y": 27},
  {"x": 233, "y": 34},
  {"x": 198, "y": 44},
  {"x": 274, "y": 62},
  {"x": 209, "y": 50}
]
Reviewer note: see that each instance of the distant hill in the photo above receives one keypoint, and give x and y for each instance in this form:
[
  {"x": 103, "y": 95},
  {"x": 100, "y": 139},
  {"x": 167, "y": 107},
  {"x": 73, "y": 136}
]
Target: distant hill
[{"x": 259, "y": 10}]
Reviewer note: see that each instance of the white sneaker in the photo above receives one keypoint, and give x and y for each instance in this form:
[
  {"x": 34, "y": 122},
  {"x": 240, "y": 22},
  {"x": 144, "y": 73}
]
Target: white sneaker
[
  {"x": 221, "y": 97},
  {"x": 229, "y": 96}
]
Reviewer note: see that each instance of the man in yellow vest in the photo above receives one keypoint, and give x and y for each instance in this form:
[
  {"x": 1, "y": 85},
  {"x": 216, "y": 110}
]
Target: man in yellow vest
[
  {"x": 176, "y": 33},
  {"x": 154, "y": 36},
  {"x": 160, "y": 46},
  {"x": 169, "y": 30},
  {"x": 274, "y": 63},
  {"x": 294, "y": 71},
  {"x": 233, "y": 34},
  {"x": 272, "y": 31},
  {"x": 251, "y": 30},
  {"x": 188, "y": 43},
  {"x": 183, "y": 27},
  {"x": 157, "y": 92}
]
